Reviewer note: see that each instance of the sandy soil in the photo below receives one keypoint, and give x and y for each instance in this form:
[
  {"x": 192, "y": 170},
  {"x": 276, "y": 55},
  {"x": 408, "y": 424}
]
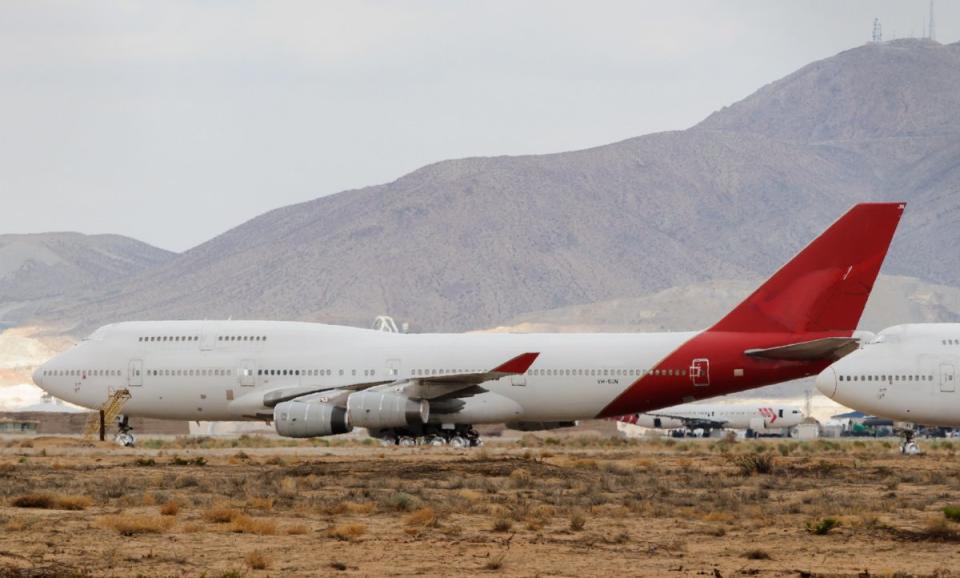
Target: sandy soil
[{"x": 568, "y": 508}]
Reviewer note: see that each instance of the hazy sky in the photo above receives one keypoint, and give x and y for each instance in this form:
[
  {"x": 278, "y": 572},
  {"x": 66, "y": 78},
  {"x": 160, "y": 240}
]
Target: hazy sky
[{"x": 174, "y": 121}]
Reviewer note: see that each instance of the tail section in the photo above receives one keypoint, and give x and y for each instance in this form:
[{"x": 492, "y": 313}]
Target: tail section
[{"x": 824, "y": 287}]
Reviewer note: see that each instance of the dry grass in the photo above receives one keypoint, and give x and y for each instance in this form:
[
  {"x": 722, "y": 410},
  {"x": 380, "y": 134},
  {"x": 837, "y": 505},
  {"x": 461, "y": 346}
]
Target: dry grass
[
  {"x": 258, "y": 503},
  {"x": 684, "y": 500},
  {"x": 347, "y": 532},
  {"x": 52, "y": 502},
  {"x": 422, "y": 518},
  {"x": 221, "y": 515},
  {"x": 257, "y": 560},
  {"x": 134, "y": 524},
  {"x": 296, "y": 530},
  {"x": 244, "y": 524}
]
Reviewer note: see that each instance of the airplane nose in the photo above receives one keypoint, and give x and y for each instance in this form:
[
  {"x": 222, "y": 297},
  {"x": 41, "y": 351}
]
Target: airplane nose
[
  {"x": 827, "y": 382},
  {"x": 38, "y": 376}
]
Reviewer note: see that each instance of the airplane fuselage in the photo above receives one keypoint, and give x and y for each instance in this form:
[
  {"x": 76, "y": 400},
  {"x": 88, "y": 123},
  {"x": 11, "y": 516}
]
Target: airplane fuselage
[
  {"x": 220, "y": 370},
  {"x": 908, "y": 373}
]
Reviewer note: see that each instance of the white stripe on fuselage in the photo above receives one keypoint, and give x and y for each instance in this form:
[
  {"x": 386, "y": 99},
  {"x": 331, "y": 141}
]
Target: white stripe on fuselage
[{"x": 574, "y": 377}]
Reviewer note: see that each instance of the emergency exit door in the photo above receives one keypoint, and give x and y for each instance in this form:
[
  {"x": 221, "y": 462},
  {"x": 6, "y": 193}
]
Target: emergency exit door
[
  {"x": 700, "y": 372},
  {"x": 948, "y": 378}
]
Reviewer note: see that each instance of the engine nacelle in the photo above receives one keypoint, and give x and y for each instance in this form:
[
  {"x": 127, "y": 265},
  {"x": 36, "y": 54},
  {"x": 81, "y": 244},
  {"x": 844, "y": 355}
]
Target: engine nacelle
[
  {"x": 539, "y": 425},
  {"x": 374, "y": 410},
  {"x": 304, "y": 419}
]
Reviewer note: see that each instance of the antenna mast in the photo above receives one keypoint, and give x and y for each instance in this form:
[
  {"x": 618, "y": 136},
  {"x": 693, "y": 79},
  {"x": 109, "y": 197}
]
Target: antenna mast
[
  {"x": 932, "y": 29},
  {"x": 877, "y": 33}
]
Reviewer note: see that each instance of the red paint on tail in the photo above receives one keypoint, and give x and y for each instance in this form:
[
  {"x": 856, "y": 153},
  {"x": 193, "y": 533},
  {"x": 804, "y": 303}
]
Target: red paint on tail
[{"x": 819, "y": 293}]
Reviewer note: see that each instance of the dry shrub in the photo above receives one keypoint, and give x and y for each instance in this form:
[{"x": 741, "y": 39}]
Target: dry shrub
[
  {"x": 422, "y": 518},
  {"x": 347, "y": 532},
  {"x": 221, "y": 515},
  {"x": 258, "y": 503},
  {"x": 296, "y": 530},
  {"x": 520, "y": 477},
  {"x": 149, "y": 499},
  {"x": 502, "y": 525},
  {"x": 244, "y": 524},
  {"x": 52, "y": 501},
  {"x": 171, "y": 508},
  {"x": 257, "y": 560},
  {"x": 751, "y": 464},
  {"x": 471, "y": 495},
  {"x": 577, "y": 521},
  {"x": 756, "y": 554},
  {"x": 132, "y": 524},
  {"x": 347, "y": 507},
  {"x": 43, "y": 501},
  {"x": 288, "y": 488}
]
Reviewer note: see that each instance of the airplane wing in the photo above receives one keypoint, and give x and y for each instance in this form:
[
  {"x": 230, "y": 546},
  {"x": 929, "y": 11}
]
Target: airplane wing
[{"x": 424, "y": 387}]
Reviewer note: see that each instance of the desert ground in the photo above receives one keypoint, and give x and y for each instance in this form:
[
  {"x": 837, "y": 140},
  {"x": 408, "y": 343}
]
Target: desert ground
[{"x": 576, "y": 506}]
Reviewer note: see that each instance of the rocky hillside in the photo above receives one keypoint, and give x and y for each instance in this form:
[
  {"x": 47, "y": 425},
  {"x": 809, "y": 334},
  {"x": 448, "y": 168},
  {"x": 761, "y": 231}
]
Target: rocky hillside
[
  {"x": 472, "y": 243},
  {"x": 35, "y": 267}
]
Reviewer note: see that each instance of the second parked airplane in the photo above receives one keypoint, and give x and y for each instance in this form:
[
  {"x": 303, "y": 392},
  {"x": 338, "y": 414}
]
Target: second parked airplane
[{"x": 315, "y": 380}]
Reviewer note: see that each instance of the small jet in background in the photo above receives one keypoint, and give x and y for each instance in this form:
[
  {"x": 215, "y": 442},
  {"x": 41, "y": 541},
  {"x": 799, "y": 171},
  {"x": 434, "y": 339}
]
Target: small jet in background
[{"x": 706, "y": 418}]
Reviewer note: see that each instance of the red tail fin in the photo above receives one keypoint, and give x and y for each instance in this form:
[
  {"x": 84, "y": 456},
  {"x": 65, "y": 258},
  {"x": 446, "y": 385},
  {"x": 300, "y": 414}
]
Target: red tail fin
[{"x": 826, "y": 286}]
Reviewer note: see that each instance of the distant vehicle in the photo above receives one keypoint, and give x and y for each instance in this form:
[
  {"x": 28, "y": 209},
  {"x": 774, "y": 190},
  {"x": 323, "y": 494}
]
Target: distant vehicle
[
  {"x": 907, "y": 373},
  {"x": 702, "y": 418},
  {"x": 317, "y": 380}
]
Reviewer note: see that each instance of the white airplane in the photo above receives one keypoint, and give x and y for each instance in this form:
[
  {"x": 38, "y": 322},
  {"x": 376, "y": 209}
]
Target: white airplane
[
  {"x": 906, "y": 373},
  {"x": 705, "y": 417},
  {"x": 316, "y": 380}
]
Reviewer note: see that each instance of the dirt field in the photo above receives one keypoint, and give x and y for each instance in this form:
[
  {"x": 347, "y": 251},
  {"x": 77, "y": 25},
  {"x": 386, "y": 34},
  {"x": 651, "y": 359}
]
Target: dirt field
[{"x": 580, "y": 507}]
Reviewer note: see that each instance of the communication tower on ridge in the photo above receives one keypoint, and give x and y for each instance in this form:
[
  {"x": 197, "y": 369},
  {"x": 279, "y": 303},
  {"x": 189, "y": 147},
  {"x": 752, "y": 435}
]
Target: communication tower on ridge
[
  {"x": 931, "y": 28},
  {"x": 877, "y": 33}
]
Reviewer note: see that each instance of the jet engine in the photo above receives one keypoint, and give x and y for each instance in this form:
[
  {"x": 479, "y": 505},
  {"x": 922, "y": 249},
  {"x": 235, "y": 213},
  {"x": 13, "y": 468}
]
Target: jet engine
[
  {"x": 375, "y": 410},
  {"x": 306, "y": 419}
]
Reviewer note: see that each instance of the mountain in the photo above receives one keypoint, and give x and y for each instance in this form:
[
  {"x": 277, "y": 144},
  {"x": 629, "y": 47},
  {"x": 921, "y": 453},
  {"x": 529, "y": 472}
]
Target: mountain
[
  {"x": 38, "y": 266},
  {"x": 471, "y": 243},
  {"x": 895, "y": 299}
]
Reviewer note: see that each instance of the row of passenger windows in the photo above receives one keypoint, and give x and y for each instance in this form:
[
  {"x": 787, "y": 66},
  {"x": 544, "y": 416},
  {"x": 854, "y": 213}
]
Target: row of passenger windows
[
  {"x": 189, "y": 372},
  {"x": 197, "y": 338},
  {"x": 81, "y": 372},
  {"x": 950, "y": 341},
  {"x": 886, "y": 378},
  {"x": 607, "y": 372}
]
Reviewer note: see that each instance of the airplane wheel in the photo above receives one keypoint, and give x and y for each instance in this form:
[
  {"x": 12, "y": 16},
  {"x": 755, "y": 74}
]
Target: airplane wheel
[
  {"x": 125, "y": 440},
  {"x": 437, "y": 441},
  {"x": 407, "y": 442},
  {"x": 459, "y": 442}
]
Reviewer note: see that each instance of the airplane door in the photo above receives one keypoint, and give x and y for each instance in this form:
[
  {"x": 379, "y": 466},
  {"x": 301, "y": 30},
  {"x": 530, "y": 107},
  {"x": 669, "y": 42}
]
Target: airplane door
[
  {"x": 700, "y": 372},
  {"x": 208, "y": 339},
  {"x": 393, "y": 367},
  {"x": 135, "y": 372},
  {"x": 248, "y": 372},
  {"x": 948, "y": 380}
]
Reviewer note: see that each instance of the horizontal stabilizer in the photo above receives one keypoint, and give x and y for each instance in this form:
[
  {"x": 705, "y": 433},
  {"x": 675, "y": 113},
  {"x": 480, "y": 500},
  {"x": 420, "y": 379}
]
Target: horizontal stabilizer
[{"x": 829, "y": 348}]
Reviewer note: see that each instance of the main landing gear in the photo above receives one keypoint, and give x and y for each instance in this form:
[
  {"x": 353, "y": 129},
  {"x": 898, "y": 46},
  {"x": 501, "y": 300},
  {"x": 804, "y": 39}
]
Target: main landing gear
[
  {"x": 124, "y": 435},
  {"x": 460, "y": 436}
]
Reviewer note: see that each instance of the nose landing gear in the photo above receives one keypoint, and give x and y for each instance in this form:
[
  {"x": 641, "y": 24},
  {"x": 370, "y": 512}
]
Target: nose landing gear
[{"x": 909, "y": 445}]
